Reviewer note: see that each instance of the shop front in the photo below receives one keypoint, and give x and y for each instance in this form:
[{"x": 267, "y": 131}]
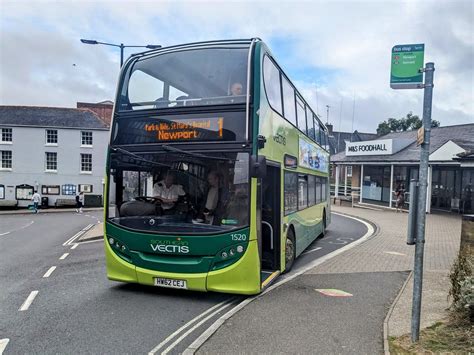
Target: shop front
[
  {"x": 381, "y": 181},
  {"x": 381, "y": 168}
]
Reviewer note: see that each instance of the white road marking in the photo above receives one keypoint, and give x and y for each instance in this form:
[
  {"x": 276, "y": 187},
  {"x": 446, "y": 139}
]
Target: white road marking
[
  {"x": 28, "y": 301},
  {"x": 77, "y": 235},
  {"x": 3, "y": 344},
  {"x": 92, "y": 241},
  {"x": 49, "y": 272},
  {"x": 311, "y": 250},
  {"x": 74, "y": 246},
  {"x": 191, "y": 349},
  {"x": 195, "y": 319},
  {"x": 64, "y": 256},
  {"x": 189, "y": 331},
  {"x": 16, "y": 230},
  {"x": 68, "y": 242}
]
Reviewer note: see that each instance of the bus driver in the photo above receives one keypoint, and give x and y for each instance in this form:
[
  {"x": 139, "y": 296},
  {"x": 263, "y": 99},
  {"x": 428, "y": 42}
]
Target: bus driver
[{"x": 168, "y": 192}]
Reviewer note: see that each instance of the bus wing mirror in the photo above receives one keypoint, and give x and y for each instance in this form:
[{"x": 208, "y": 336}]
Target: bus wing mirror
[{"x": 258, "y": 165}]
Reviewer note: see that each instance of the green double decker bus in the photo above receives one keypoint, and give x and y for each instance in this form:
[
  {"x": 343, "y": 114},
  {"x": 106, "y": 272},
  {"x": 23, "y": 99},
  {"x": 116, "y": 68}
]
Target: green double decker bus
[{"x": 217, "y": 170}]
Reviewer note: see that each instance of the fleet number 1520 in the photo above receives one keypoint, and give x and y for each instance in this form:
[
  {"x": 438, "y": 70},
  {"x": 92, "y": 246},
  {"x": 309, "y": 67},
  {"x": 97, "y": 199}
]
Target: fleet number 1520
[{"x": 239, "y": 237}]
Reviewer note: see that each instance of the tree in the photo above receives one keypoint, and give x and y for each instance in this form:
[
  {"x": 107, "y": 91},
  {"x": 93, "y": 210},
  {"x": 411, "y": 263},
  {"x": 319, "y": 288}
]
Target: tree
[{"x": 409, "y": 123}]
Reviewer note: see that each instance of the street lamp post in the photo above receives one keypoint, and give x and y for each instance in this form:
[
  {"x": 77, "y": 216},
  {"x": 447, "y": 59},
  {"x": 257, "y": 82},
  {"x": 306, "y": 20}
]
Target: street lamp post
[{"x": 121, "y": 46}]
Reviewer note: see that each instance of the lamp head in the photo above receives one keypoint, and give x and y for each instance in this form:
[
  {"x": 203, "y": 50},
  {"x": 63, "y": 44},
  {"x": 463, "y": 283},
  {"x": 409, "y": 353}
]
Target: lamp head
[{"x": 88, "y": 41}]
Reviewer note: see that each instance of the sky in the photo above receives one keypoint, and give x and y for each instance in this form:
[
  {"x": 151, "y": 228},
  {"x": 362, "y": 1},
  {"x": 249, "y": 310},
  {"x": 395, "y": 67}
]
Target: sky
[{"x": 337, "y": 53}]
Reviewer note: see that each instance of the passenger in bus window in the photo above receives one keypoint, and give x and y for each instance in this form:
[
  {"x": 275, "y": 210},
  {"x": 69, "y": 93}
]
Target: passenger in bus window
[
  {"x": 236, "y": 89},
  {"x": 167, "y": 192},
  {"x": 216, "y": 199}
]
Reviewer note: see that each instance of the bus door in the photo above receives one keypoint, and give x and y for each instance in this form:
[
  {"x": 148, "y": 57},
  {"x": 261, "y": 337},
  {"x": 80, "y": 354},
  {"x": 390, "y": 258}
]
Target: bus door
[{"x": 270, "y": 224}]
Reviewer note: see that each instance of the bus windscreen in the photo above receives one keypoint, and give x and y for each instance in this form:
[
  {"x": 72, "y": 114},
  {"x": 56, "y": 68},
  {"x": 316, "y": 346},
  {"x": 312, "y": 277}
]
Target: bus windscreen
[
  {"x": 180, "y": 192},
  {"x": 189, "y": 77}
]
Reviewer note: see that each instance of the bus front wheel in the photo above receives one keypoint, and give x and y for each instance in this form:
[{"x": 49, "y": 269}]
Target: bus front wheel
[{"x": 290, "y": 250}]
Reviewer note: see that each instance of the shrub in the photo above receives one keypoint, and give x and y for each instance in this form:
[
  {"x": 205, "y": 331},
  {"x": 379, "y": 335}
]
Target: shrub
[{"x": 462, "y": 287}]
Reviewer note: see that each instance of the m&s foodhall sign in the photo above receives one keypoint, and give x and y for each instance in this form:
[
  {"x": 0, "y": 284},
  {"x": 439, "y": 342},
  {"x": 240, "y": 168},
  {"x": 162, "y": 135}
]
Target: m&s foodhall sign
[{"x": 377, "y": 147}]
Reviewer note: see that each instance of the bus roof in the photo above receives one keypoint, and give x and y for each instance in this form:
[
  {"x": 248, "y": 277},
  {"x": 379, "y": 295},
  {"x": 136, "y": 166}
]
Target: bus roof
[{"x": 197, "y": 44}]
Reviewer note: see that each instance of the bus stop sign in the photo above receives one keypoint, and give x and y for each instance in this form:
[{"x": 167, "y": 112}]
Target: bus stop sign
[{"x": 407, "y": 60}]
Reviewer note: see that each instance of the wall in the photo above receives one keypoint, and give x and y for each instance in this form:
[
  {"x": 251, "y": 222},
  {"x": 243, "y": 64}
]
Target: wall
[{"x": 28, "y": 163}]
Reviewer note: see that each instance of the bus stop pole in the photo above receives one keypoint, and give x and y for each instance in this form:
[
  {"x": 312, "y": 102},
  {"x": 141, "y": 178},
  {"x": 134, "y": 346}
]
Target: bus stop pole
[{"x": 421, "y": 214}]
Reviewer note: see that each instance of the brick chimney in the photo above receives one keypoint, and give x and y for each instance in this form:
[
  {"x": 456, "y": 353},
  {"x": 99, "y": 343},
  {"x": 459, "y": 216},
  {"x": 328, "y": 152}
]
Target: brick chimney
[{"x": 102, "y": 109}]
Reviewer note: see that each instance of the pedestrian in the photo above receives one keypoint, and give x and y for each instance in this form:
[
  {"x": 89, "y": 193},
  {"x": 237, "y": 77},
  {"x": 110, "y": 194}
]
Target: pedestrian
[
  {"x": 400, "y": 196},
  {"x": 79, "y": 202},
  {"x": 36, "y": 198}
]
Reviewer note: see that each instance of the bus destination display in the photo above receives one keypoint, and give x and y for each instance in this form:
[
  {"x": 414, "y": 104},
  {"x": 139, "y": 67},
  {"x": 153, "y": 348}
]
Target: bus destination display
[
  {"x": 187, "y": 129},
  {"x": 200, "y": 127}
]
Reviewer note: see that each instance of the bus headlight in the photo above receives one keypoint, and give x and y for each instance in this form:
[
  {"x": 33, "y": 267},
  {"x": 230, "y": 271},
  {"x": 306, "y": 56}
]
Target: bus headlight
[
  {"x": 111, "y": 241},
  {"x": 240, "y": 248}
]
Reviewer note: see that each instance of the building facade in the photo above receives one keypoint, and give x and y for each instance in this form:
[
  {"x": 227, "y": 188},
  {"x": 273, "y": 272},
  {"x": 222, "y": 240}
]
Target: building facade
[
  {"x": 57, "y": 151},
  {"x": 380, "y": 167}
]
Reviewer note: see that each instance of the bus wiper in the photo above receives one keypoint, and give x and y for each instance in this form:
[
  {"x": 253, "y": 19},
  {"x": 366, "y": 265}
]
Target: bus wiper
[
  {"x": 196, "y": 155},
  {"x": 137, "y": 157}
]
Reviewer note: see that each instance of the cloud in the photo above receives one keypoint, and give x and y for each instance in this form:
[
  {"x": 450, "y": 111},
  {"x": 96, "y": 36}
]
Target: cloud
[{"x": 339, "y": 49}]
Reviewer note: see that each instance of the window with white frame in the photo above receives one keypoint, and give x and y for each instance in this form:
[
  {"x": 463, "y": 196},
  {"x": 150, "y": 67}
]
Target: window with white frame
[
  {"x": 52, "y": 136},
  {"x": 51, "y": 161},
  {"x": 87, "y": 188},
  {"x": 86, "y": 138},
  {"x": 7, "y": 135},
  {"x": 86, "y": 163},
  {"x": 2, "y": 192},
  {"x": 7, "y": 158}
]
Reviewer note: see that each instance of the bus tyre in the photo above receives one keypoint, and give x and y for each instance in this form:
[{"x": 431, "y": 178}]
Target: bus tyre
[
  {"x": 323, "y": 233},
  {"x": 290, "y": 250}
]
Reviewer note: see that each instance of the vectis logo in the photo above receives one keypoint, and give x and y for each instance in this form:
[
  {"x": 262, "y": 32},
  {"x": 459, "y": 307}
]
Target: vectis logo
[{"x": 170, "y": 246}]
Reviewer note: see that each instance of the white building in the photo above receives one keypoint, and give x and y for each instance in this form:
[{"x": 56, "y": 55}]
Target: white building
[
  {"x": 57, "y": 151},
  {"x": 391, "y": 161}
]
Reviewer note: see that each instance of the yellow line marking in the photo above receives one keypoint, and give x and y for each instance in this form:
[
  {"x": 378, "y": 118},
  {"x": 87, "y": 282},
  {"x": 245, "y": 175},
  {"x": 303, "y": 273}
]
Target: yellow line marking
[{"x": 270, "y": 278}]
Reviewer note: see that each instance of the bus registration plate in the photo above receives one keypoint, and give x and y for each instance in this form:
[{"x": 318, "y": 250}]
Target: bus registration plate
[{"x": 170, "y": 283}]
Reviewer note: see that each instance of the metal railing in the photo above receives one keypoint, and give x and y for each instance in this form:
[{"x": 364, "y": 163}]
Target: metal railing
[{"x": 346, "y": 193}]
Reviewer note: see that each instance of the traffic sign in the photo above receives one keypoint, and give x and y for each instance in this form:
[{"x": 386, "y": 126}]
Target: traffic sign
[{"x": 407, "y": 60}]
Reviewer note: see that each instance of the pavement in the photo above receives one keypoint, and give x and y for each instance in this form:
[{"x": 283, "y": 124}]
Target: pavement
[
  {"x": 47, "y": 210},
  {"x": 376, "y": 281},
  {"x": 387, "y": 251},
  {"x": 375, "y": 277}
]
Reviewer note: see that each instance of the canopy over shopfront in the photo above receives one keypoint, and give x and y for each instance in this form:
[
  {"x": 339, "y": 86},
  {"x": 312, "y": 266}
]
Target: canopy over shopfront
[{"x": 388, "y": 163}]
